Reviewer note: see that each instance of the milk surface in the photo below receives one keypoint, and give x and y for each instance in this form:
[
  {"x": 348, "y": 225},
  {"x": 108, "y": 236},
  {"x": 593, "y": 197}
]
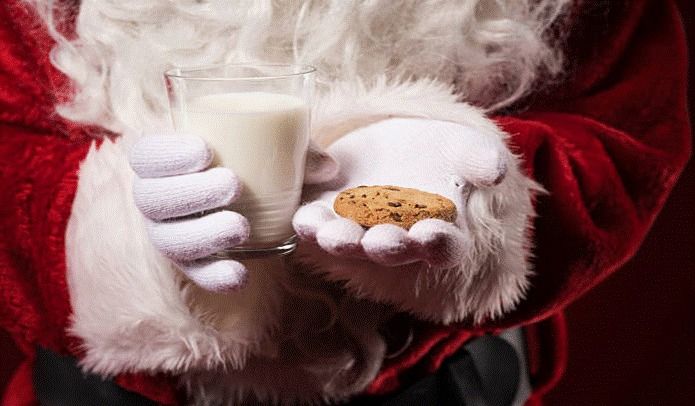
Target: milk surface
[{"x": 263, "y": 138}]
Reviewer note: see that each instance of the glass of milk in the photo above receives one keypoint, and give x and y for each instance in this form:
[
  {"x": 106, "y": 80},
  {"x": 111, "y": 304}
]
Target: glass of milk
[{"x": 256, "y": 119}]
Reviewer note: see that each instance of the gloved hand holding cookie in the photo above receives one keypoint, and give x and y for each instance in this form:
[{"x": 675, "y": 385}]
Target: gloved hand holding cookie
[
  {"x": 387, "y": 210},
  {"x": 416, "y": 200},
  {"x": 402, "y": 225}
]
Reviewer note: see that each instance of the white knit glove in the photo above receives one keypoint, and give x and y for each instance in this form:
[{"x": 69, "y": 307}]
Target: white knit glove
[
  {"x": 434, "y": 156},
  {"x": 436, "y": 270},
  {"x": 173, "y": 182}
]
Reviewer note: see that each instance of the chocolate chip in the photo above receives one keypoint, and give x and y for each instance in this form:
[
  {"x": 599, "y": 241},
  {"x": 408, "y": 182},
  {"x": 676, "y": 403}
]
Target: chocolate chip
[
  {"x": 394, "y": 204},
  {"x": 396, "y": 217},
  {"x": 364, "y": 196},
  {"x": 420, "y": 206}
]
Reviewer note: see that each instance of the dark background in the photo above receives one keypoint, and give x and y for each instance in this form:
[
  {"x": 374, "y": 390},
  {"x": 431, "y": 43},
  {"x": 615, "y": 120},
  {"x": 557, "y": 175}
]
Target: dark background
[{"x": 632, "y": 338}]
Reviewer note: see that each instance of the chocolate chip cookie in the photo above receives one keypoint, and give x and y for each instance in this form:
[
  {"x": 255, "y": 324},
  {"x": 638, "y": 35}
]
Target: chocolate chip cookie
[{"x": 372, "y": 205}]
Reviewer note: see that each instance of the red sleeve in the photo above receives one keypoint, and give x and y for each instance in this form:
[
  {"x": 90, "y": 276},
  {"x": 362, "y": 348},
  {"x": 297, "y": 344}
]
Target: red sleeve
[
  {"x": 39, "y": 161},
  {"x": 39, "y": 179},
  {"x": 607, "y": 143},
  {"x": 608, "y": 148},
  {"x": 39, "y": 157}
]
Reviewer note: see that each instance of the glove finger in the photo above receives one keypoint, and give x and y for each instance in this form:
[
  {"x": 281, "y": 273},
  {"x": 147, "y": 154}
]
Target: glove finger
[
  {"x": 168, "y": 155},
  {"x": 480, "y": 158},
  {"x": 191, "y": 239},
  {"x": 216, "y": 276},
  {"x": 439, "y": 243},
  {"x": 309, "y": 218},
  {"x": 320, "y": 165},
  {"x": 389, "y": 245},
  {"x": 176, "y": 196},
  {"x": 340, "y": 237}
]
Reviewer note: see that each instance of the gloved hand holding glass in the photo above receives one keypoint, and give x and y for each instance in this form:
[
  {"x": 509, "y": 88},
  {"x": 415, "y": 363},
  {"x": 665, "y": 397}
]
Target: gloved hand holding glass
[{"x": 254, "y": 123}]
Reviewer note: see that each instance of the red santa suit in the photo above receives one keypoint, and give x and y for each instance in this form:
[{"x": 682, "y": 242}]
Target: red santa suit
[{"x": 606, "y": 139}]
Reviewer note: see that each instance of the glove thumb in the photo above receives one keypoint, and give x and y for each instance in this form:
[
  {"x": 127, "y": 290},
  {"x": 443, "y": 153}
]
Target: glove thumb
[{"x": 320, "y": 165}]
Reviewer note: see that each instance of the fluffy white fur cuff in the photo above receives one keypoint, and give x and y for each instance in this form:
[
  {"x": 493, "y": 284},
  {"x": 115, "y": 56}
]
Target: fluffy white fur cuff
[
  {"x": 131, "y": 308},
  {"x": 347, "y": 106}
]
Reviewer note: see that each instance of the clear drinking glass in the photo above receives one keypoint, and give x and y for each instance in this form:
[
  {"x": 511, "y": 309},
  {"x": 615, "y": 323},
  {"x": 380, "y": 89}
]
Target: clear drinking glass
[{"x": 256, "y": 119}]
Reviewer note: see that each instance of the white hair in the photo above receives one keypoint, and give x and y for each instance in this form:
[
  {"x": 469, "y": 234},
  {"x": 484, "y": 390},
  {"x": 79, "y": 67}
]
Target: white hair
[{"x": 492, "y": 51}]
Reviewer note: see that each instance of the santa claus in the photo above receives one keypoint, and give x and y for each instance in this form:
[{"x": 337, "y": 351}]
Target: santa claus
[{"x": 557, "y": 128}]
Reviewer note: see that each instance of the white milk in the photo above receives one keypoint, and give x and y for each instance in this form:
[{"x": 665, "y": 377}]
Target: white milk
[{"x": 263, "y": 138}]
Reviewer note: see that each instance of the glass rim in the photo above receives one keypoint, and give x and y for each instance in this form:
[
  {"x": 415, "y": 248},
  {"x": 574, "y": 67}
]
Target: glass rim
[{"x": 189, "y": 73}]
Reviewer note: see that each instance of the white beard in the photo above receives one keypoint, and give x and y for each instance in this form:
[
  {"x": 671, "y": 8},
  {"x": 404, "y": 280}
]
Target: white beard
[{"x": 491, "y": 50}]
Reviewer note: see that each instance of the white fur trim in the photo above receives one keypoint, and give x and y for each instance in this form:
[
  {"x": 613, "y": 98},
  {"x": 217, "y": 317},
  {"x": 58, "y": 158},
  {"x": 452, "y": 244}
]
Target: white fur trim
[
  {"x": 347, "y": 106},
  {"x": 318, "y": 366},
  {"x": 134, "y": 312},
  {"x": 131, "y": 308}
]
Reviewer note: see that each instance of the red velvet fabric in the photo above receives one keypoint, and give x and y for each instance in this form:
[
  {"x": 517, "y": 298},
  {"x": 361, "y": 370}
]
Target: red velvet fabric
[
  {"x": 38, "y": 177},
  {"x": 608, "y": 151},
  {"x": 22, "y": 391},
  {"x": 608, "y": 145},
  {"x": 631, "y": 337}
]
